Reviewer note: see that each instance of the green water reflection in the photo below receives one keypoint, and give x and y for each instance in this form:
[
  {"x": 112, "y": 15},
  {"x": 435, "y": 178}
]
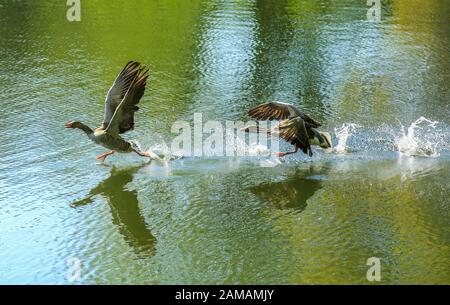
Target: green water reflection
[{"x": 124, "y": 207}]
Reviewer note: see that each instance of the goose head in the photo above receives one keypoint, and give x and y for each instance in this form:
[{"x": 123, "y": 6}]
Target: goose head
[
  {"x": 79, "y": 125},
  {"x": 326, "y": 143},
  {"x": 73, "y": 124}
]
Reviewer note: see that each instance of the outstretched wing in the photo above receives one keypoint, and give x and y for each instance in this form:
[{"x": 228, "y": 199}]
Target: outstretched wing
[
  {"x": 273, "y": 111},
  {"x": 123, "y": 117},
  {"x": 295, "y": 132},
  {"x": 118, "y": 90},
  {"x": 280, "y": 111}
]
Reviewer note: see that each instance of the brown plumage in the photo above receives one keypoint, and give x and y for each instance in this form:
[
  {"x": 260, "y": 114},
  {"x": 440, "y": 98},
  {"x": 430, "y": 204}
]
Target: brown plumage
[
  {"x": 296, "y": 132},
  {"x": 132, "y": 80},
  {"x": 120, "y": 105},
  {"x": 280, "y": 111},
  {"x": 295, "y": 127}
]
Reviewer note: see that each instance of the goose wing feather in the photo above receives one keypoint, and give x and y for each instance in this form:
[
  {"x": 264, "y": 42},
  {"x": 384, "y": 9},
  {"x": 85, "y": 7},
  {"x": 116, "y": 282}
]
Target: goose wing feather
[
  {"x": 295, "y": 132},
  {"x": 118, "y": 90},
  {"x": 273, "y": 111},
  {"x": 280, "y": 111},
  {"x": 123, "y": 117}
]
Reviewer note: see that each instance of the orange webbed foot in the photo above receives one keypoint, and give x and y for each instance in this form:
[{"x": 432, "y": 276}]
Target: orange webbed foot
[{"x": 104, "y": 156}]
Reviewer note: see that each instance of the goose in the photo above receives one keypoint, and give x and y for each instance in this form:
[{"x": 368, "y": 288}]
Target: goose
[
  {"x": 295, "y": 127},
  {"x": 120, "y": 106}
]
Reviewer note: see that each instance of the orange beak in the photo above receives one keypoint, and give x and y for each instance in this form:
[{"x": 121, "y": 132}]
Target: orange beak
[{"x": 69, "y": 125}]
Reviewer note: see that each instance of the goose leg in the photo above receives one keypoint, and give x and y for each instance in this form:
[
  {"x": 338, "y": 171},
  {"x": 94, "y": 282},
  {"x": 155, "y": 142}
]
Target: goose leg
[
  {"x": 103, "y": 156},
  {"x": 142, "y": 153},
  {"x": 282, "y": 154}
]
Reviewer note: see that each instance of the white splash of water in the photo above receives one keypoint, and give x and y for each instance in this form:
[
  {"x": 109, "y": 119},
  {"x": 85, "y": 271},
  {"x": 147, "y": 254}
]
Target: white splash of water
[
  {"x": 418, "y": 139},
  {"x": 258, "y": 150},
  {"x": 342, "y": 133},
  {"x": 253, "y": 149},
  {"x": 160, "y": 152}
]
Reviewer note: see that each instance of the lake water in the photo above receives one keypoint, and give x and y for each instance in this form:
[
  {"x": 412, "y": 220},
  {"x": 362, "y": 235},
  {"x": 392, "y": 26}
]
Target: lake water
[{"x": 383, "y": 192}]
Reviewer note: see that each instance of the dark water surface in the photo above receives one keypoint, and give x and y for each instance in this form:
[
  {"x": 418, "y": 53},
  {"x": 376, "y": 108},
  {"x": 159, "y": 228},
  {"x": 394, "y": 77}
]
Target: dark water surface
[{"x": 218, "y": 219}]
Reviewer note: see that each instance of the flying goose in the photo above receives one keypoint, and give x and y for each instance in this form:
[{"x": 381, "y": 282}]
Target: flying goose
[
  {"x": 120, "y": 106},
  {"x": 295, "y": 127}
]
